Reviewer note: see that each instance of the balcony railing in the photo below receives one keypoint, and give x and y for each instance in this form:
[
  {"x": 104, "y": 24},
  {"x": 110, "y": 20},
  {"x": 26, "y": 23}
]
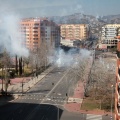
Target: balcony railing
[
  {"x": 118, "y": 94},
  {"x": 118, "y": 54},
  {"x": 119, "y": 106},
  {"x": 118, "y": 109},
  {"x": 119, "y": 71}
]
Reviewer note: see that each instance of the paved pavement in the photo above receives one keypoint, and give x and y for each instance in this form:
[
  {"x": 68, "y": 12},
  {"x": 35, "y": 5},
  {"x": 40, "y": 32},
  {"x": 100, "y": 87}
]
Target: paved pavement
[
  {"x": 44, "y": 101},
  {"x": 74, "y": 103},
  {"x": 47, "y": 99},
  {"x": 76, "y": 100},
  {"x": 28, "y": 82}
]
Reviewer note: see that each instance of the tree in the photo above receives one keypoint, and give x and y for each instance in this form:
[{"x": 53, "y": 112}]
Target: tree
[
  {"x": 39, "y": 58},
  {"x": 6, "y": 63},
  {"x": 2, "y": 67},
  {"x": 77, "y": 72},
  {"x": 101, "y": 79},
  {"x": 16, "y": 64},
  {"x": 20, "y": 66},
  {"x": 26, "y": 60}
]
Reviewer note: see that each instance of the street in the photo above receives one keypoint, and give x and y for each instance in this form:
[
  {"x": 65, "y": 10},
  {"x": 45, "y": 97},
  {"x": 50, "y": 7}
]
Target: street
[
  {"x": 35, "y": 103},
  {"x": 44, "y": 101}
]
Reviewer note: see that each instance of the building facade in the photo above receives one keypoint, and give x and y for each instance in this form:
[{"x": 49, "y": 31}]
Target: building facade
[
  {"x": 75, "y": 31},
  {"x": 117, "y": 87},
  {"x": 37, "y": 30},
  {"x": 108, "y": 35},
  {"x": 118, "y": 31}
]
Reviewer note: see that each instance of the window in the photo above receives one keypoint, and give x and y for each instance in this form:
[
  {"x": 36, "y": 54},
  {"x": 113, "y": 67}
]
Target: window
[
  {"x": 35, "y": 38},
  {"x": 36, "y": 35},
  {"x": 35, "y": 27},
  {"x": 35, "y": 31},
  {"x": 35, "y": 42},
  {"x": 36, "y": 24}
]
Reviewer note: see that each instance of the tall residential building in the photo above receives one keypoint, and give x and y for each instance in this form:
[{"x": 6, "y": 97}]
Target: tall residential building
[
  {"x": 75, "y": 31},
  {"x": 117, "y": 87},
  {"x": 109, "y": 33},
  {"x": 37, "y": 30},
  {"x": 118, "y": 31}
]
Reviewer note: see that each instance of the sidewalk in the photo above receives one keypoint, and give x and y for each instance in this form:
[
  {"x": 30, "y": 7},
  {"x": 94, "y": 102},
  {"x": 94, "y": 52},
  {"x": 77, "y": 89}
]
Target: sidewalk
[
  {"x": 75, "y": 106},
  {"x": 15, "y": 88}
]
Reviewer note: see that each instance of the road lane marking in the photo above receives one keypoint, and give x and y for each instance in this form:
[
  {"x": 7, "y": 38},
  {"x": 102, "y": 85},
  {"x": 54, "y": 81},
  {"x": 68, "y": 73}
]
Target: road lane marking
[
  {"x": 56, "y": 85},
  {"x": 93, "y": 117}
]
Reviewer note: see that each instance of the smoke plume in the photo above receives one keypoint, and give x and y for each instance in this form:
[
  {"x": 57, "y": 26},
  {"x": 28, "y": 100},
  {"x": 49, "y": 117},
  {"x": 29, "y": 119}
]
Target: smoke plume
[
  {"x": 10, "y": 35},
  {"x": 73, "y": 56}
]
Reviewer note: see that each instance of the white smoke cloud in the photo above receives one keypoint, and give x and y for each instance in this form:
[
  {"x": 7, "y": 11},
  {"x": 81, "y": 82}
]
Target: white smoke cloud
[
  {"x": 64, "y": 59},
  {"x": 72, "y": 57},
  {"x": 85, "y": 53},
  {"x": 10, "y": 35}
]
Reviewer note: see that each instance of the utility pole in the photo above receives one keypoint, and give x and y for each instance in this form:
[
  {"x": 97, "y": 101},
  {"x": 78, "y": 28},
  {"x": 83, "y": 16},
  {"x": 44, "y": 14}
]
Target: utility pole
[
  {"x": 100, "y": 104},
  {"x": 111, "y": 102},
  {"x": 22, "y": 85},
  {"x": 6, "y": 81},
  {"x": 6, "y": 73},
  {"x": 2, "y": 79},
  {"x": 16, "y": 64}
]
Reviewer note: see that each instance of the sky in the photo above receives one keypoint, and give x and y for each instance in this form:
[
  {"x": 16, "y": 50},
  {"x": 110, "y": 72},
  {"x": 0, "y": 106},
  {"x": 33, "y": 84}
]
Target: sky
[{"x": 38, "y": 8}]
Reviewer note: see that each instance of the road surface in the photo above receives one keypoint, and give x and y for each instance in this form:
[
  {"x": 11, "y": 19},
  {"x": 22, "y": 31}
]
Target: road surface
[{"x": 44, "y": 101}]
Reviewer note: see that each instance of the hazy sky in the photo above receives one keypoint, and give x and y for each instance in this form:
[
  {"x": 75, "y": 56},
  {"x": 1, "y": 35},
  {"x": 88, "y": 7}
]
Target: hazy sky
[{"x": 32, "y": 8}]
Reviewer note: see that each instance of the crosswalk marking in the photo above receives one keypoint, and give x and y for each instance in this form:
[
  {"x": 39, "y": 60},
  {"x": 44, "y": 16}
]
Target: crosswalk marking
[
  {"x": 93, "y": 117},
  {"x": 42, "y": 99},
  {"x": 77, "y": 100},
  {"x": 54, "y": 97}
]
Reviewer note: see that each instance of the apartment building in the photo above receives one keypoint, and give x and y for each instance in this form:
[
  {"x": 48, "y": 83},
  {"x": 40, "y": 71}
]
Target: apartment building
[
  {"x": 108, "y": 35},
  {"x": 37, "y": 30},
  {"x": 118, "y": 31},
  {"x": 75, "y": 31},
  {"x": 117, "y": 87}
]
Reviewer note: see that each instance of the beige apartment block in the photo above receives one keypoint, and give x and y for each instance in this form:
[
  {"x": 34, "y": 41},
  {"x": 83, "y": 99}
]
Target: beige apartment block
[{"x": 75, "y": 31}]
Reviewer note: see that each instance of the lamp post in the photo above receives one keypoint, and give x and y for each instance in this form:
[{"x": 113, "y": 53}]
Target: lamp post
[
  {"x": 111, "y": 102},
  {"x": 94, "y": 55},
  {"x": 2, "y": 79},
  {"x": 22, "y": 85},
  {"x": 57, "y": 107}
]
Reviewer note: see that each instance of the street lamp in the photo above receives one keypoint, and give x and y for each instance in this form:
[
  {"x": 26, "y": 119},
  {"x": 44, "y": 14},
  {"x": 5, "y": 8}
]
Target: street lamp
[
  {"x": 2, "y": 80},
  {"x": 22, "y": 85},
  {"x": 57, "y": 107},
  {"x": 111, "y": 102},
  {"x": 94, "y": 55}
]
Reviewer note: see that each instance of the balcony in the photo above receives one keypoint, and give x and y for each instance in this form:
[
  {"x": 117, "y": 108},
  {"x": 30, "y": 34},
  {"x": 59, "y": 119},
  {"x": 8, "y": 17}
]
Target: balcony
[
  {"x": 27, "y": 30},
  {"x": 28, "y": 37},
  {"x": 119, "y": 71},
  {"x": 35, "y": 37},
  {"x": 118, "y": 78},
  {"x": 118, "y": 110},
  {"x": 35, "y": 28},
  {"x": 118, "y": 94},
  {"x": 119, "y": 100},
  {"x": 118, "y": 54}
]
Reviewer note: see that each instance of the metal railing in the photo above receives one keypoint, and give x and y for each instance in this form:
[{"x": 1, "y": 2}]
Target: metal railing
[{"x": 118, "y": 54}]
